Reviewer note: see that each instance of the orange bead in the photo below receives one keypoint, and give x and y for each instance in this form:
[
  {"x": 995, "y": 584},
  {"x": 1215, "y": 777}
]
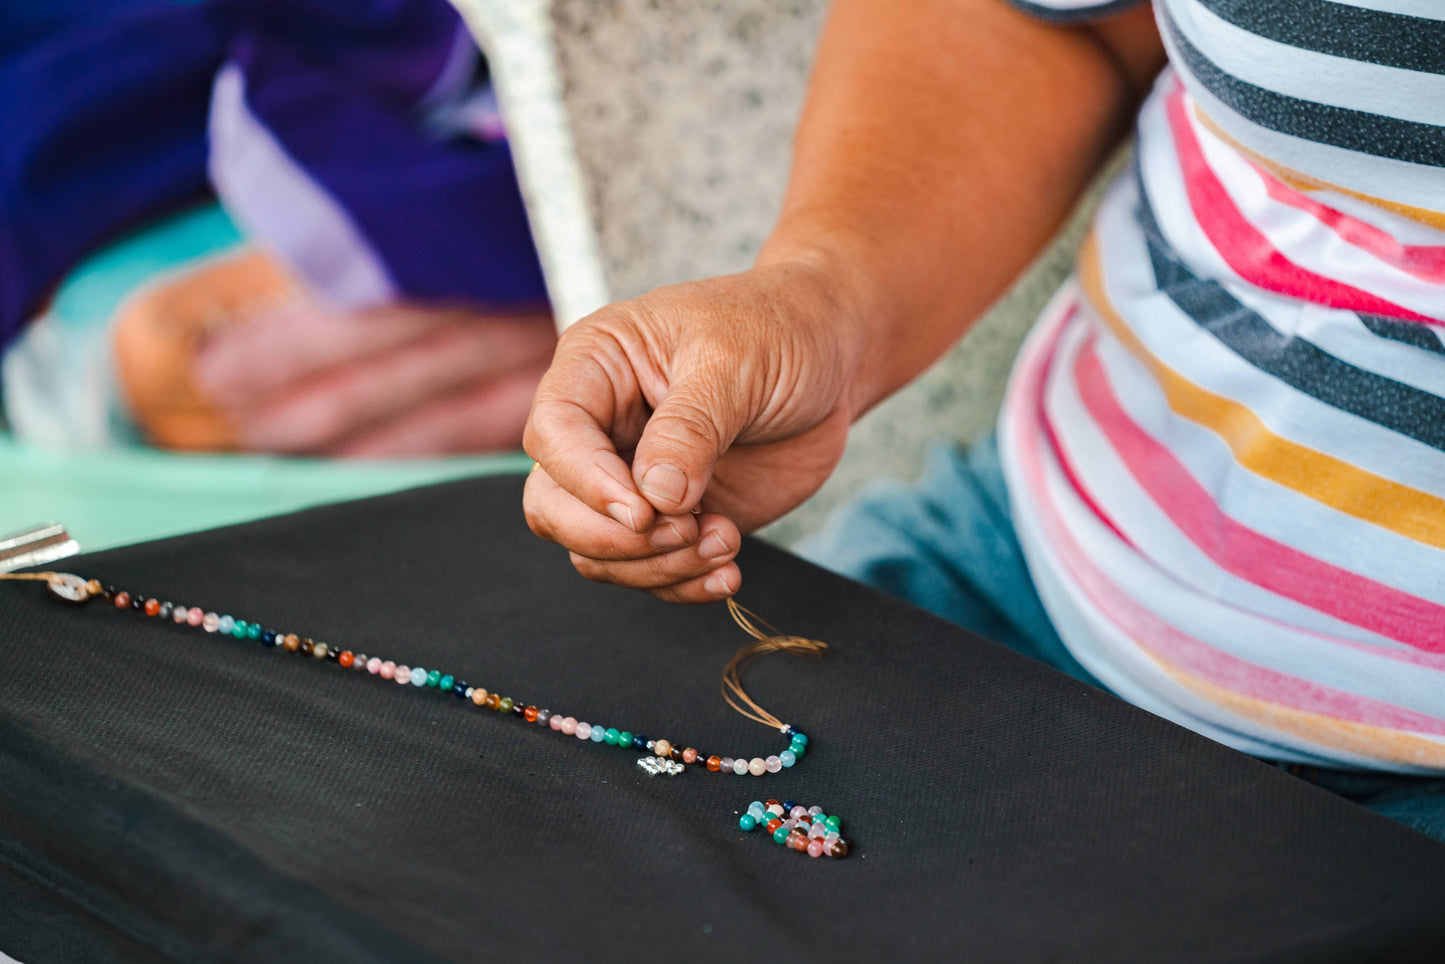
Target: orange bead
[
  {"x": 494, "y": 700},
  {"x": 530, "y": 714},
  {"x": 479, "y": 696},
  {"x": 122, "y": 600},
  {"x": 689, "y": 755},
  {"x": 773, "y": 825},
  {"x": 714, "y": 763},
  {"x": 152, "y": 607},
  {"x": 346, "y": 658},
  {"x": 292, "y": 642},
  {"x": 93, "y": 587}
]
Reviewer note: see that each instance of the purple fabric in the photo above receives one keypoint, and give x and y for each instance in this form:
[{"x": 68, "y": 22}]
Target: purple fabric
[{"x": 103, "y": 128}]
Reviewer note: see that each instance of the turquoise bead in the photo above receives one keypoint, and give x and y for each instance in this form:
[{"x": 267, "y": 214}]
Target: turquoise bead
[
  {"x": 800, "y": 738},
  {"x": 433, "y": 678},
  {"x": 833, "y": 823},
  {"x": 446, "y": 682},
  {"x": 624, "y": 740},
  {"x": 781, "y": 835},
  {"x": 238, "y": 629},
  {"x": 225, "y": 625},
  {"x": 799, "y": 749},
  {"x": 253, "y": 631},
  {"x": 612, "y": 735},
  {"x": 599, "y": 734},
  {"x": 748, "y": 822},
  {"x": 788, "y": 758}
]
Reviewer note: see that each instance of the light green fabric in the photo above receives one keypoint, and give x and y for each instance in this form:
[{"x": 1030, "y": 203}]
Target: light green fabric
[
  {"x": 129, "y": 493},
  {"x": 118, "y": 496}
]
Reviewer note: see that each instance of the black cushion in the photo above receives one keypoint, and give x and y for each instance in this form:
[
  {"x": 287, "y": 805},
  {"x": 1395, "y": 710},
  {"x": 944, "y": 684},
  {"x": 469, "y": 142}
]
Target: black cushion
[{"x": 169, "y": 795}]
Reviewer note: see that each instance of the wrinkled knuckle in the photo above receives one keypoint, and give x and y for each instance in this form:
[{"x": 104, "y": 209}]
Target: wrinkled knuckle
[{"x": 589, "y": 568}]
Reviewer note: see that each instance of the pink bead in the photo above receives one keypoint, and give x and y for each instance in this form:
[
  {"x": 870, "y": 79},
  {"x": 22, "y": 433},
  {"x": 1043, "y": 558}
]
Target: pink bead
[
  {"x": 818, "y": 830},
  {"x": 403, "y": 674},
  {"x": 773, "y": 764},
  {"x": 727, "y": 765},
  {"x": 210, "y": 622},
  {"x": 180, "y": 614},
  {"x": 584, "y": 731},
  {"x": 776, "y": 809},
  {"x": 388, "y": 670},
  {"x": 815, "y": 810},
  {"x": 373, "y": 665},
  {"x": 830, "y": 839},
  {"x": 815, "y": 848},
  {"x": 569, "y": 725},
  {"x": 195, "y": 616},
  {"x": 757, "y": 766},
  {"x": 798, "y": 813},
  {"x": 556, "y": 721},
  {"x": 790, "y": 823}
]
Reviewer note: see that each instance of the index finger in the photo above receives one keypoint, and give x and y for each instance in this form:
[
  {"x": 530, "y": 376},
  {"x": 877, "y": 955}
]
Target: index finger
[{"x": 583, "y": 402}]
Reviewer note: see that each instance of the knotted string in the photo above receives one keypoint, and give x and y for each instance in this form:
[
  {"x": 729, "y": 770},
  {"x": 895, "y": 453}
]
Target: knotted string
[{"x": 774, "y": 642}]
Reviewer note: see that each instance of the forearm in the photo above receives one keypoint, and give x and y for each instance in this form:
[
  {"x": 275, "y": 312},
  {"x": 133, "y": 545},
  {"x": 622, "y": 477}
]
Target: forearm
[{"x": 942, "y": 144}]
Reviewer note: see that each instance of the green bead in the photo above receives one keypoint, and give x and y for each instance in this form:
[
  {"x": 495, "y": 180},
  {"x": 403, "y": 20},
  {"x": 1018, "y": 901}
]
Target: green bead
[
  {"x": 798, "y": 749},
  {"x": 253, "y": 631},
  {"x": 433, "y": 678},
  {"x": 833, "y": 823},
  {"x": 239, "y": 630},
  {"x": 624, "y": 740},
  {"x": 506, "y": 705},
  {"x": 781, "y": 835},
  {"x": 612, "y": 735},
  {"x": 748, "y": 822},
  {"x": 447, "y": 682}
]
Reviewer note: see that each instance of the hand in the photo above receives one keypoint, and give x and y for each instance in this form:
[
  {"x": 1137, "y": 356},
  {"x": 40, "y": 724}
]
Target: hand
[
  {"x": 728, "y": 398},
  {"x": 393, "y": 381}
]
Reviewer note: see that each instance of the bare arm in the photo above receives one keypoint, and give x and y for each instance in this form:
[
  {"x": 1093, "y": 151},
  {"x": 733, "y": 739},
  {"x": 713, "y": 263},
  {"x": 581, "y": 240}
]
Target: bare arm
[{"x": 942, "y": 144}]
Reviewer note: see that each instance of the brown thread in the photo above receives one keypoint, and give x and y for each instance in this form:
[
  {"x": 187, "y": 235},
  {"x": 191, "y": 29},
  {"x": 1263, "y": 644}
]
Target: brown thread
[{"x": 732, "y": 681}]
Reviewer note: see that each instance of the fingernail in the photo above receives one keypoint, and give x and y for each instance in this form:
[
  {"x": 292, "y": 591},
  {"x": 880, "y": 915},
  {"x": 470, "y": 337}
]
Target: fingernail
[
  {"x": 666, "y": 537},
  {"x": 622, "y": 512},
  {"x": 665, "y": 482},
  {"x": 713, "y": 546},
  {"x": 718, "y": 584}
]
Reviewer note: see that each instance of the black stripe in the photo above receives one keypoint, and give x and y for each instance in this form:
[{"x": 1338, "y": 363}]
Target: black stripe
[
  {"x": 1323, "y": 123},
  {"x": 1405, "y": 332},
  {"x": 1296, "y": 361},
  {"x": 1372, "y": 36},
  {"x": 1077, "y": 15}
]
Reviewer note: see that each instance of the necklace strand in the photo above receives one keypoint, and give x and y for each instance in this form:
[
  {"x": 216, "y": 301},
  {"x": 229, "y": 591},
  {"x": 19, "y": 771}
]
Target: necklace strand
[{"x": 660, "y": 756}]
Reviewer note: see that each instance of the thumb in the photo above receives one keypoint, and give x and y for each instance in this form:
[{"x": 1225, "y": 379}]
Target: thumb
[{"x": 680, "y": 446}]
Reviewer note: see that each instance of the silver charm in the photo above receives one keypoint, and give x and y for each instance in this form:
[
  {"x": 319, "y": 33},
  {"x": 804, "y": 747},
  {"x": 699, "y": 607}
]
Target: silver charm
[{"x": 656, "y": 765}]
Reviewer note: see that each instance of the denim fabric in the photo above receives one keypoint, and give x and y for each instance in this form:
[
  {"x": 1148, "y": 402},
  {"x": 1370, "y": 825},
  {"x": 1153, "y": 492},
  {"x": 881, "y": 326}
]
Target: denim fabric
[{"x": 947, "y": 544}]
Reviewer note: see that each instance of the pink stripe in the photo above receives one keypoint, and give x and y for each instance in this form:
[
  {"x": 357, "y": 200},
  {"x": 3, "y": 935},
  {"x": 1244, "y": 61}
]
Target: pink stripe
[
  {"x": 1153, "y": 633},
  {"x": 1426, "y": 262},
  {"x": 1256, "y": 558},
  {"x": 1248, "y": 251}
]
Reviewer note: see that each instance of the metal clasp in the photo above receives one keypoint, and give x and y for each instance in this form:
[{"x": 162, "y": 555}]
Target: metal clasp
[{"x": 36, "y": 546}]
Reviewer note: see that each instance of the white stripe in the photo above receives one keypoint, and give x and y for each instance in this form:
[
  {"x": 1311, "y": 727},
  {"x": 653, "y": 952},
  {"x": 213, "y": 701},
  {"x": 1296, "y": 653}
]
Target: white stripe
[
  {"x": 1184, "y": 346},
  {"x": 1401, "y": 182},
  {"x": 1344, "y": 335},
  {"x": 1254, "y": 501},
  {"x": 1304, "y": 240},
  {"x": 274, "y": 199},
  {"x": 1410, "y": 95}
]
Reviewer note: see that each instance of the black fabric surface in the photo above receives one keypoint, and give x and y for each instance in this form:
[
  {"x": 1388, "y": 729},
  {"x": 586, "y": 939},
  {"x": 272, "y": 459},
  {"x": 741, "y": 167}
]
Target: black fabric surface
[{"x": 167, "y": 795}]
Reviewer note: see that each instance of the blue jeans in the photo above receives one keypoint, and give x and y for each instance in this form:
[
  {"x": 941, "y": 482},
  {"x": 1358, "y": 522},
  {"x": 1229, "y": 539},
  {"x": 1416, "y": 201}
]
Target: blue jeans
[{"x": 947, "y": 544}]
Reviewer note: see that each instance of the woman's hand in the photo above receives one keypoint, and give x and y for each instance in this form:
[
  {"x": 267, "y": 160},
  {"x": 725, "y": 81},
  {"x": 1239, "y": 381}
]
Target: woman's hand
[{"x": 670, "y": 424}]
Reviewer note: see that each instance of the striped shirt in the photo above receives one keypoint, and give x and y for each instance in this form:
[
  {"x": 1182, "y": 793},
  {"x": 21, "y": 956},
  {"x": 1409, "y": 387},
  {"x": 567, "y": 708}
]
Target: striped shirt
[{"x": 1225, "y": 440}]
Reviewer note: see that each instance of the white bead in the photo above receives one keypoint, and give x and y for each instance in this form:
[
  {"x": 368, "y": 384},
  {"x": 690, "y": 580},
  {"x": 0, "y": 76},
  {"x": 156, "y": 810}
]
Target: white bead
[
  {"x": 584, "y": 731},
  {"x": 757, "y": 766},
  {"x": 740, "y": 766}
]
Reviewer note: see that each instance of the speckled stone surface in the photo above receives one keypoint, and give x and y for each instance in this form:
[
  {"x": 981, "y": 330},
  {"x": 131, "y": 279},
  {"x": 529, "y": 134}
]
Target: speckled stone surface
[{"x": 653, "y": 140}]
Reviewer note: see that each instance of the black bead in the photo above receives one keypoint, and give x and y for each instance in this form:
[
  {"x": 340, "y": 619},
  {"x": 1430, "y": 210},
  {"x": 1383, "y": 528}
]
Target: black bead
[
  {"x": 459, "y": 689},
  {"x": 675, "y": 754},
  {"x": 307, "y": 645},
  {"x": 107, "y": 593},
  {"x": 138, "y": 603},
  {"x": 166, "y": 609},
  {"x": 268, "y": 638},
  {"x": 518, "y": 708},
  {"x": 333, "y": 654}
]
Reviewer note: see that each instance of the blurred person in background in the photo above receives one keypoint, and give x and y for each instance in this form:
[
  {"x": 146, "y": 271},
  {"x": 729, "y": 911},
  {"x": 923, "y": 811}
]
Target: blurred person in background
[{"x": 246, "y": 225}]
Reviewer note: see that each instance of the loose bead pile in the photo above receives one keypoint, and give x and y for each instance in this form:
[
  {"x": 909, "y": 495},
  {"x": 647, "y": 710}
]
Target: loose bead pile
[
  {"x": 804, "y": 829},
  {"x": 74, "y": 589}
]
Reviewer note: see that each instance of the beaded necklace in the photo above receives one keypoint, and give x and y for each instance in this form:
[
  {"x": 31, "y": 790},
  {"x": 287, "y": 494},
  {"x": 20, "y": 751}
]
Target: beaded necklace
[{"x": 664, "y": 757}]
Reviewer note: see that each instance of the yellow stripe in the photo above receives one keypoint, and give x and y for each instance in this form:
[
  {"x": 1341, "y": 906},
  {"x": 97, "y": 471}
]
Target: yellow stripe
[
  {"x": 1411, "y": 513},
  {"x": 1305, "y": 182},
  {"x": 1361, "y": 739}
]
